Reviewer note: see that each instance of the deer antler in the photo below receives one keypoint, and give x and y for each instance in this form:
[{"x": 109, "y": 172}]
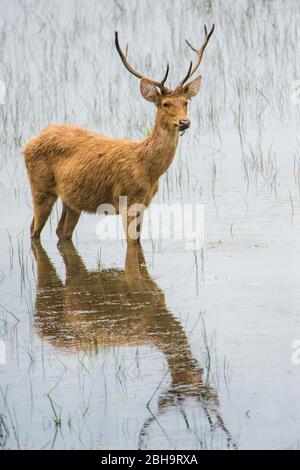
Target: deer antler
[
  {"x": 199, "y": 52},
  {"x": 135, "y": 72}
]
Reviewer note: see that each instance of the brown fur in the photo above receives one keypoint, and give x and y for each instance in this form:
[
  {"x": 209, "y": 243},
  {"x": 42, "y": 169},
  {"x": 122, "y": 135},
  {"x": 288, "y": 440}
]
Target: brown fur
[{"x": 87, "y": 169}]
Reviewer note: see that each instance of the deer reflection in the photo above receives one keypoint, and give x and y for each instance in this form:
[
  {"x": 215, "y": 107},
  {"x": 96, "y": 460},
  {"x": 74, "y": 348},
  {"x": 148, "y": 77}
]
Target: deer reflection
[{"x": 114, "y": 307}]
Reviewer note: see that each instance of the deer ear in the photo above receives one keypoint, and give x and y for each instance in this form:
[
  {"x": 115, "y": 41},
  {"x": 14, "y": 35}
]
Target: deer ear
[
  {"x": 192, "y": 88},
  {"x": 149, "y": 90}
]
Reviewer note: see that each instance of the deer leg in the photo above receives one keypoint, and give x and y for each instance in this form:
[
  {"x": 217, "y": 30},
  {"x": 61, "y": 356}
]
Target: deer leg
[
  {"x": 132, "y": 225},
  {"x": 69, "y": 221},
  {"x": 140, "y": 223},
  {"x": 131, "y": 233},
  {"x": 61, "y": 222},
  {"x": 42, "y": 210}
]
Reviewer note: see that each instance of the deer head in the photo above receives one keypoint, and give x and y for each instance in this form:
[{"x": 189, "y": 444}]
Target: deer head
[{"x": 172, "y": 105}]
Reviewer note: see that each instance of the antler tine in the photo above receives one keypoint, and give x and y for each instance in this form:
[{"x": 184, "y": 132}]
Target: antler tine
[
  {"x": 166, "y": 76},
  {"x": 186, "y": 76},
  {"x": 199, "y": 53},
  {"x": 134, "y": 71}
]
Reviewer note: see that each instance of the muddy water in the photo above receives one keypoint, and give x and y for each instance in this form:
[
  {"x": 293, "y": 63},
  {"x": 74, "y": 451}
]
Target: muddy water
[{"x": 160, "y": 346}]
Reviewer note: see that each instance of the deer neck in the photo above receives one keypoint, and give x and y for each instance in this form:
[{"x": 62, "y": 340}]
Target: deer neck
[{"x": 159, "y": 148}]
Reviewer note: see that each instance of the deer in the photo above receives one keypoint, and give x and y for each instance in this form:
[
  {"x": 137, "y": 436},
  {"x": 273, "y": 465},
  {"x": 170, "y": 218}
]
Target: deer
[
  {"x": 86, "y": 169},
  {"x": 115, "y": 308}
]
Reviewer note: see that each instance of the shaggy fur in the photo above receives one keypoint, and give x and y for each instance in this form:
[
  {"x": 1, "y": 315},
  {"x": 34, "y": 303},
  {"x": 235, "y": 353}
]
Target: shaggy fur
[{"x": 87, "y": 169}]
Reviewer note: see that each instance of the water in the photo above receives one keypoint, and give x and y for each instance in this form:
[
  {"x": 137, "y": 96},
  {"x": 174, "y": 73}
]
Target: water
[{"x": 160, "y": 347}]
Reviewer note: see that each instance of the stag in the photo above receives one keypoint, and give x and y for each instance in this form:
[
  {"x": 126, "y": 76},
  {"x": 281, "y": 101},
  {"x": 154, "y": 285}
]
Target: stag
[
  {"x": 87, "y": 169},
  {"x": 76, "y": 315}
]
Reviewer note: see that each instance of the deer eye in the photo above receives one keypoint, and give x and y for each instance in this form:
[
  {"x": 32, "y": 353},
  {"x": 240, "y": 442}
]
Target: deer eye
[{"x": 166, "y": 105}]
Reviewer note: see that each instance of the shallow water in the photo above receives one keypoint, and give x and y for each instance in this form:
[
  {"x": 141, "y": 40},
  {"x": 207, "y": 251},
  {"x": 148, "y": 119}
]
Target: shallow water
[{"x": 159, "y": 347}]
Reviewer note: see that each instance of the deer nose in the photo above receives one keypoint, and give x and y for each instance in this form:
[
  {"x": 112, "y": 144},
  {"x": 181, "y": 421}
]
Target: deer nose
[{"x": 184, "y": 124}]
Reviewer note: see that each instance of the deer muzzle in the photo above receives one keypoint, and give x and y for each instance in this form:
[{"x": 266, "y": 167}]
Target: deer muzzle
[{"x": 184, "y": 124}]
